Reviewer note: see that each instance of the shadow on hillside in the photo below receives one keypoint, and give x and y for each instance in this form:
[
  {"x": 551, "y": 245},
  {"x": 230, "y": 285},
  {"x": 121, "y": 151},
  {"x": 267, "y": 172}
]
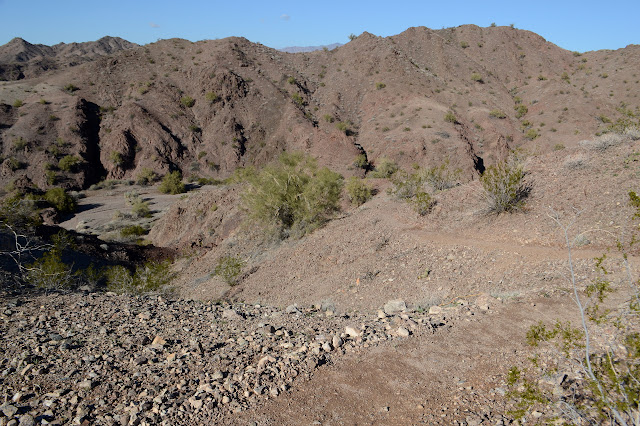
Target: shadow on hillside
[
  {"x": 81, "y": 253},
  {"x": 86, "y": 207}
]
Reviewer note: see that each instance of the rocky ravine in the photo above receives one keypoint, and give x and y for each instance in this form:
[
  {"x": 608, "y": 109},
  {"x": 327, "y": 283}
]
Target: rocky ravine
[{"x": 102, "y": 358}]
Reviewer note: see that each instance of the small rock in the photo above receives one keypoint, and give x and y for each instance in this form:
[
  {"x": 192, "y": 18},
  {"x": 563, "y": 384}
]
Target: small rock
[
  {"x": 26, "y": 370},
  {"x": 158, "y": 341},
  {"x": 196, "y": 404},
  {"x": 326, "y": 347},
  {"x": 263, "y": 361},
  {"x": 292, "y": 309},
  {"x": 337, "y": 341},
  {"x": 395, "y": 306},
  {"x": 402, "y": 332},
  {"x": 226, "y": 399},
  {"x": 435, "y": 310},
  {"x": 9, "y": 410},
  {"x": 232, "y": 315},
  {"x": 171, "y": 357},
  {"x": 140, "y": 360},
  {"x": 351, "y": 331},
  {"x": 86, "y": 384},
  {"x": 27, "y": 420}
]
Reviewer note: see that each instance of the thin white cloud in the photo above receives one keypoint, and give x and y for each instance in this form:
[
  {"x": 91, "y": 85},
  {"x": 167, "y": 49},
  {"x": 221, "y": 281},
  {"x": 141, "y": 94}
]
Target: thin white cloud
[
  {"x": 154, "y": 25},
  {"x": 285, "y": 17}
]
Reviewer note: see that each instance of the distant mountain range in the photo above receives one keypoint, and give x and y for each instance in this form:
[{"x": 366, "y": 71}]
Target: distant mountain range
[
  {"x": 20, "y": 59},
  {"x": 301, "y": 49}
]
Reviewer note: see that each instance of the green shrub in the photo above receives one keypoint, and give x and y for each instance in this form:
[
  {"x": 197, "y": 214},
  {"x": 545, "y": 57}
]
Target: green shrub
[
  {"x": 410, "y": 188},
  {"x": 70, "y": 88},
  {"x": 464, "y": 44},
  {"x": 172, "y": 183},
  {"x": 450, "y": 117},
  {"x": 211, "y": 97},
  {"x": 297, "y": 99},
  {"x": 521, "y": 110},
  {"x": 14, "y": 164},
  {"x": 140, "y": 209},
  {"x": 476, "y": 77},
  {"x": 496, "y": 113},
  {"x": 328, "y": 118},
  {"x": 152, "y": 277},
  {"x": 132, "y": 231},
  {"x": 291, "y": 80},
  {"x": 504, "y": 187},
  {"x": 384, "y": 168},
  {"x": 51, "y": 176},
  {"x": 17, "y": 103},
  {"x": 19, "y": 212},
  {"x": 187, "y": 101},
  {"x": 380, "y": 86},
  {"x": 69, "y": 163},
  {"x": 422, "y": 203},
  {"x": 229, "y": 268},
  {"x": 146, "y": 177},
  {"x": 598, "y": 381},
  {"x": 531, "y": 134},
  {"x": 20, "y": 143},
  {"x": 293, "y": 195},
  {"x": 343, "y": 126},
  {"x": 361, "y": 161},
  {"x": 358, "y": 191},
  {"x": 116, "y": 158},
  {"x": 49, "y": 272},
  {"x": 442, "y": 177},
  {"x": 60, "y": 200}
]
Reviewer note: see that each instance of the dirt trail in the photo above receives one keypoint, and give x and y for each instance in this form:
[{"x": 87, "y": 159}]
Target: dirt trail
[
  {"x": 453, "y": 375},
  {"x": 531, "y": 251}
]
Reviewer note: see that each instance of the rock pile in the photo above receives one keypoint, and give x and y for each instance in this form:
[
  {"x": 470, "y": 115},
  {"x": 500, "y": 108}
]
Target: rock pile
[{"x": 132, "y": 360}]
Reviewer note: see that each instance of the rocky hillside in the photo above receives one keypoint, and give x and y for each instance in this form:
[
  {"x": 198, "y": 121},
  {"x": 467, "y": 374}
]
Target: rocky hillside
[
  {"x": 20, "y": 59},
  {"x": 117, "y": 360},
  {"x": 469, "y": 94}
]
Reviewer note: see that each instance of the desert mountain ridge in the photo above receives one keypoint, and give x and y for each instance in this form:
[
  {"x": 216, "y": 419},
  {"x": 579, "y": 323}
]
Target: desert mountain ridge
[
  {"x": 408, "y": 305},
  {"x": 208, "y": 107}
]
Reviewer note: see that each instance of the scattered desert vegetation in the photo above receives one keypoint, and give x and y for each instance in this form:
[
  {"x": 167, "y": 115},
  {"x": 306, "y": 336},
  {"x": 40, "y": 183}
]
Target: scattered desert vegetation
[{"x": 392, "y": 193}]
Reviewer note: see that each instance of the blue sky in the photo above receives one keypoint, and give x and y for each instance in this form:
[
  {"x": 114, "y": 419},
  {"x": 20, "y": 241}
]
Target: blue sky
[{"x": 573, "y": 25}]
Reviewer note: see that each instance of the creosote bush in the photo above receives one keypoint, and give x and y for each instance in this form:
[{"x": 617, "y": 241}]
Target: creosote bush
[
  {"x": 293, "y": 196},
  {"x": 410, "y": 188},
  {"x": 187, "y": 101},
  {"x": 69, "y": 163},
  {"x": 450, "y": 117},
  {"x": 172, "y": 183},
  {"x": 496, "y": 113},
  {"x": 60, "y": 200},
  {"x": 384, "y": 168},
  {"x": 361, "y": 161},
  {"x": 358, "y": 191},
  {"x": 132, "y": 231},
  {"x": 152, "y": 277},
  {"x": 598, "y": 378},
  {"x": 477, "y": 77},
  {"x": 504, "y": 188},
  {"x": 146, "y": 177},
  {"x": 229, "y": 268}
]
